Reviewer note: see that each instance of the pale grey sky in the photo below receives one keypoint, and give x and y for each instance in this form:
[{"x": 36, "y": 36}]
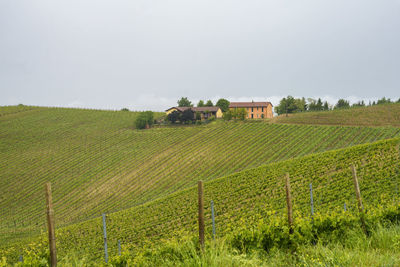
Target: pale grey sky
[{"x": 146, "y": 54}]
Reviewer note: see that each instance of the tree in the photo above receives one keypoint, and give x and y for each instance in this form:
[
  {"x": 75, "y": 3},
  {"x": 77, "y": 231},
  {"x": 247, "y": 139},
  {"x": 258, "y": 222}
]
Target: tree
[
  {"x": 319, "y": 104},
  {"x": 342, "y": 104},
  {"x": 384, "y": 100},
  {"x": 301, "y": 104},
  {"x": 174, "y": 116},
  {"x": 200, "y": 104},
  {"x": 291, "y": 105},
  {"x": 144, "y": 120},
  {"x": 124, "y": 109},
  {"x": 236, "y": 114},
  {"x": 315, "y": 105},
  {"x": 282, "y": 107},
  {"x": 140, "y": 122},
  {"x": 326, "y": 105},
  {"x": 223, "y": 104},
  {"x": 206, "y": 114},
  {"x": 227, "y": 115},
  {"x": 150, "y": 117},
  {"x": 241, "y": 113},
  {"x": 198, "y": 116},
  {"x": 184, "y": 102},
  {"x": 188, "y": 115},
  {"x": 209, "y": 103},
  {"x": 359, "y": 104},
  {"x": 312, "y": 104}
]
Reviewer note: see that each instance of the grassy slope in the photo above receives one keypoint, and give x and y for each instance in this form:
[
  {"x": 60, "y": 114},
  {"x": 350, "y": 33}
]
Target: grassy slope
[
  {"x": 241, "y": 199},
  {"x": 349, "y": 248},
  {"x": 98, "y": 163},
  {"x": 380, "y": 248},
  {"x": 379, "y": 115}
]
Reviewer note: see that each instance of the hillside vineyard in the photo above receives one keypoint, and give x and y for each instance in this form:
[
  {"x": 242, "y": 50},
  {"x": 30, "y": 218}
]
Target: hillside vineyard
[
  {"x": 97, "y": 163},
  {"x": 244, "y": 198},
  {"x": 378, "y": 115}
]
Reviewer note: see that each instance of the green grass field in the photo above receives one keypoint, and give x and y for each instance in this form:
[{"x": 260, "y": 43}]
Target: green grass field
[{"x": 379, "y": 115}]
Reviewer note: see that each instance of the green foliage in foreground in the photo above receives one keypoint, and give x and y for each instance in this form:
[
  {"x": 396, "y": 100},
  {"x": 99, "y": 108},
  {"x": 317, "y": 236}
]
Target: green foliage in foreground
[
  {"x": 333, "y": 239},
  {"x": 328, "y": 240}
]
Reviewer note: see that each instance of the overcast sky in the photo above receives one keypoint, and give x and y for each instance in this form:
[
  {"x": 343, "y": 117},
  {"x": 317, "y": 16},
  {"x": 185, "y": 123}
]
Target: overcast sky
[{"x": 146, "y": 54}]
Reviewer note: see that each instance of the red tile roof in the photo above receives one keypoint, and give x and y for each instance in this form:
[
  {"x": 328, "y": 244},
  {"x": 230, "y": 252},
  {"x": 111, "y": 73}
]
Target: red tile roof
[{"x": 249, "y": 104}]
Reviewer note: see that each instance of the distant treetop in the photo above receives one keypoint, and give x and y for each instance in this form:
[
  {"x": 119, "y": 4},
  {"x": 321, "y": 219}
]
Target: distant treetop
[
  {"x": 342, "y": 103},
  {"x": 209, "y": 103},
  {"x": 223, "y": 104},
  {"x": 200, "y": 104},
  {"x": 290, "y": 104},
  {"x": 184, "y": 102}
]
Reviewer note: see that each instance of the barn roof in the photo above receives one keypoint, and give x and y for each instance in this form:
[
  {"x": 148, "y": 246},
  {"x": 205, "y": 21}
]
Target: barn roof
[{"x": 196, "y": 109}]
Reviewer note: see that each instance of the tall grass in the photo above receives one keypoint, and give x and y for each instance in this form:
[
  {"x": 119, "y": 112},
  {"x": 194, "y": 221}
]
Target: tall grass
[{"x": 381, "y": 248}]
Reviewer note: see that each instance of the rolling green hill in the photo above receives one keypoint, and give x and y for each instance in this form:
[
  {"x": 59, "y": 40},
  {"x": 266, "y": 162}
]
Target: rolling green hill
[
  {"x": 378, "y": 115},
  {"x": 98, "y": 163},
  {"x": 243, "y": 198}
]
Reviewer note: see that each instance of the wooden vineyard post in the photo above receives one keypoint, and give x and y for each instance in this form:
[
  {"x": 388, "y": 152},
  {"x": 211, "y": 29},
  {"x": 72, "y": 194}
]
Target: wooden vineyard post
[
  {"x": 357, "y": 188},
  {"x": 359, "y": 200},
  {"x": 201, "y": 214},
  {"x": 311, "y": 202},
  {"x": 213, "y": 218},
  {"x": 50, "y": 224},
  {"x": 289, "y": 204},
  {"x": 119, "y": 247},
  {"x": 105, "y": 238}
]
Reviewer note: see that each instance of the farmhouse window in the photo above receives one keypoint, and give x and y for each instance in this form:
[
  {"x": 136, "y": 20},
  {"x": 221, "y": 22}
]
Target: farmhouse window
[
  {"x": 252, "y": 110},
  {"x": 262, "y": 109}
]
